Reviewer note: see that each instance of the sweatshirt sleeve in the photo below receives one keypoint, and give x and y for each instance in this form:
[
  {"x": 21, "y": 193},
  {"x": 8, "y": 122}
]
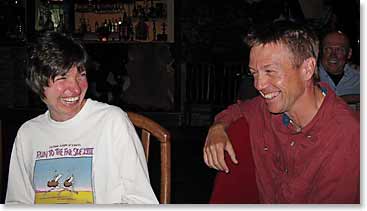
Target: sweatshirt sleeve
[
  {"x": 134, "y": 171},
  {"x": 20, "y": 190}
]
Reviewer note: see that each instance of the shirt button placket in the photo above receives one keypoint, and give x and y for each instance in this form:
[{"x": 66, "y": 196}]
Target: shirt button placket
[{"x": 292, "y": 143}]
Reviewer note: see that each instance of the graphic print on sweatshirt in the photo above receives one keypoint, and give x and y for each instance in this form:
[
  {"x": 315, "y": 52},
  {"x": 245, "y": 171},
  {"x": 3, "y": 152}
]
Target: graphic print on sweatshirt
[{"x": 63, "y": 175}]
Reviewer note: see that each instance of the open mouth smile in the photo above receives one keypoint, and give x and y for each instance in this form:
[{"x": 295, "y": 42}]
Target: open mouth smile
[
  {"x": 71, "y": 100},
  {"x": 270, "y": 95}
]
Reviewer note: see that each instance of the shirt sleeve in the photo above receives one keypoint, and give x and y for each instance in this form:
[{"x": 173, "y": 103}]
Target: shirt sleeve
[
  {"x": 20, "y": 190},
  {"x": 230, "y": 114},
  {"x": 134, "y": 170}
]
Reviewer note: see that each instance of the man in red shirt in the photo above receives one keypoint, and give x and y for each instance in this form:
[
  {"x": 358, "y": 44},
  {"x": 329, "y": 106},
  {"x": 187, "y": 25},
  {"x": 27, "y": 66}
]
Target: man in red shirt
[{"x": 304, "y": 139}]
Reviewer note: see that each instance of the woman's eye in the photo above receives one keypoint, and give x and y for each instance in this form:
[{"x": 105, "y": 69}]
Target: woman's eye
[
  {"x": 82, "y": 75},
  {"x": 57, "y": 78}
]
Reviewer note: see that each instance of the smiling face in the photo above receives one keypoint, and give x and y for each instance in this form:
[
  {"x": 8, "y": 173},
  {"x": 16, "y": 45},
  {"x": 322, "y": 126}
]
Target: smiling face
[
  {"x": 336, "y": 52},
  {"x": 65, "y": 94},
  {"x": 277, "y": 80}
]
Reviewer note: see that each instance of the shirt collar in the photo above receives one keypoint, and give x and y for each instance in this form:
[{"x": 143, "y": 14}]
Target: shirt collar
[{"x": 287, "y": 120}]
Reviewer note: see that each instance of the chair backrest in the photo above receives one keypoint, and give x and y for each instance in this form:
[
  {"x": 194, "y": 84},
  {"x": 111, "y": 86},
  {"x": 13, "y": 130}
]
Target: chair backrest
[
  {"x": 239, "y": 185},
  {"x": 149, "y": 127}
]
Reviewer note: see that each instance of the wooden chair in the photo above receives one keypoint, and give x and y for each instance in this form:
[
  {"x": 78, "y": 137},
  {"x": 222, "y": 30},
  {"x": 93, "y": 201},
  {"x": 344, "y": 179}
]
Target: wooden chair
[{"x": 149, "y": 127}]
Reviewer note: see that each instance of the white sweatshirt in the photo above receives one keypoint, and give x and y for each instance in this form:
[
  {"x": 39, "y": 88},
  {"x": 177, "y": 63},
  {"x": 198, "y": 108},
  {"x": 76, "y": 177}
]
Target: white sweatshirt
[{"x": 95, "y": 157}]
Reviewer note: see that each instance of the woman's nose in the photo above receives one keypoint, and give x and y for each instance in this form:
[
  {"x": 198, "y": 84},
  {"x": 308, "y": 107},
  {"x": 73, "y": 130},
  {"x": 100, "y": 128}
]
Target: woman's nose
[{"x": 73, "y": 86}]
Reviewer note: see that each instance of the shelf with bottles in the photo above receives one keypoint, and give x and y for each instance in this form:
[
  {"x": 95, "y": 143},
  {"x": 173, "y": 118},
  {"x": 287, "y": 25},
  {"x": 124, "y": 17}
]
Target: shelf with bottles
[
  {"x": 134, "y": 8},
  {"x": 49, "y": 15},
  {"x": 137, "y": 21}
]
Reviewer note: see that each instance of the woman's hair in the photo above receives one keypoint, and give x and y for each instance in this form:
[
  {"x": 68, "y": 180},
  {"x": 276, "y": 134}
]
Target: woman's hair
[
  {"x": 302, "y": 42},
  {"x": 53, "y": 54}
]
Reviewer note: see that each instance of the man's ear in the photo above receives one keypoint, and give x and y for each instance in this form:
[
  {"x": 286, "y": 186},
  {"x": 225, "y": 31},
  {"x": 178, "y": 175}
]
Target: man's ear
[
  {"x": 349, "y": 56},
  {"x": 309, "y": 68}
]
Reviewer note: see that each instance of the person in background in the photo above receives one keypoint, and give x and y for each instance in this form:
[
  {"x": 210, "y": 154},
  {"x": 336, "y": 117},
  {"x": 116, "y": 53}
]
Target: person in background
[
  {"x": 334, "y": 68},
  {"x": 304, "y": 139},
  {"x": 79, "y": 151}
]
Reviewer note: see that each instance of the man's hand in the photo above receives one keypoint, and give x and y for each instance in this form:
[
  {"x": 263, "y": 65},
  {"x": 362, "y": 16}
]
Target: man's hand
[{"x": 216, "y": 143}]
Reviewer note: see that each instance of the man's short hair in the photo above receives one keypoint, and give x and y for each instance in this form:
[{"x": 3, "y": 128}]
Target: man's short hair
[
  {"x": 302, "y": 42},
  {"x": 53, "y": 54}
]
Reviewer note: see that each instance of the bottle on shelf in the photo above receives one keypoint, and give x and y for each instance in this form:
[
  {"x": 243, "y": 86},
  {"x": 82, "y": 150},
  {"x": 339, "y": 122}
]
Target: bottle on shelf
[
  {"x": 116, "y": 25},
  {"x": 89, "y": 28},
  {"x": 19, "y": 29},
  {"x": 105, "y": 25},
  {"x": 96, "y": 26},
  {"x": 163, "y": 36},
  {"x": 119, "y": 28},
  {"x": 109, "y": 25},
  {"x": 154, "y": 31},
  {"x": 112, "y": 26},
  {"x": 83, "y": 26},
  {"x": 124, "y": 27},
  {"x": 130, "y": 28},
  {"x": 152, "y": 10},
  {"x": 61, "y": 25},
  {"x": 135, "y": 10},
  {"x": 49, "y": 24},
  {"x": 141, "y": 29}
]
